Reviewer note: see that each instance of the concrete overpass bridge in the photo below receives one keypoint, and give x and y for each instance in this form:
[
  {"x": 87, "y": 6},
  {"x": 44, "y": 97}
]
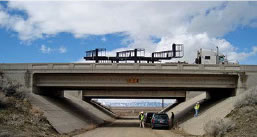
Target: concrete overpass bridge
[
  {"x": 121, "y": 81},
  {"x": 133, "y": 80}
]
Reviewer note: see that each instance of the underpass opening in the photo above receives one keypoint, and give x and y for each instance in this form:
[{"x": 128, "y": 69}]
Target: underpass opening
[{"x": 130, "y": 108}]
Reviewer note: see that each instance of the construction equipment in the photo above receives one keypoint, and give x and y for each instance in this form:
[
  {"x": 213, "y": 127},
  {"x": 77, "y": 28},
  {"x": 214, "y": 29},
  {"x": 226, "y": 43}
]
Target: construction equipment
[{"x": 136, "y": 55}]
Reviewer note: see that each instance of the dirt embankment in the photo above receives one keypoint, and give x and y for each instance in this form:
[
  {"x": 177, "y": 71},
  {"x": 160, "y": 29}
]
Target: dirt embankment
[
  {"x": 245, "y": 119},
  {"x": 244, "y": 115},
  {"x": 19, "y": 119},
  {"x": 241, "y": 121}
]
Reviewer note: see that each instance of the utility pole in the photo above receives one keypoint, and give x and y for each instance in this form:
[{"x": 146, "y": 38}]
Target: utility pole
[{"x": 162, "y": 103}]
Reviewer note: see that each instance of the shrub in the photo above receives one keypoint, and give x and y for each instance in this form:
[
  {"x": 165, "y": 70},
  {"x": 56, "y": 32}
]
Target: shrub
[
  {"x": 247, "y": 98},
  {"x": 3, "y": 100},
  {"x": 11, "y": 88},
  {"x": 217, "y": 128},
  {"x": 10, "y": 91},
  {"x": 5, "y": 134},
  {"x": 1, "y": 74}
]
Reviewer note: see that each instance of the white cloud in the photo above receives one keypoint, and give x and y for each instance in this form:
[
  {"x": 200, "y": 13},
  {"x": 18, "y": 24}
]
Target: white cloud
[
  {"x": 82, "y": 60},
  {"x": 103, "y": 39},
  {"x": 225, "y": 18},
  {"x": 195, "y": 24},
  {"x": 45, "y": 49},
  {"x": 3, "y": 18},
  {"x": 62, "y": 50},
  {"x": 233, "y": 55}
]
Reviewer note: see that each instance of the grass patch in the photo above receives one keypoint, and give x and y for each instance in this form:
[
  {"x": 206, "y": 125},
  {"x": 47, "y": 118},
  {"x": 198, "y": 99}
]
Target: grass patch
[
  {"x": 218, "y": 127},
  {"x": 247, "y": 98}
]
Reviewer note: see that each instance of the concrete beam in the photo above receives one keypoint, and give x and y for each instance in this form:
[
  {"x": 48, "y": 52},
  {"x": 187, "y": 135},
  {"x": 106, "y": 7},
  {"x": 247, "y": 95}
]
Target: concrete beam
[
  {"x": 133, "y": 94},
  {"x": 135, "y": 80}
]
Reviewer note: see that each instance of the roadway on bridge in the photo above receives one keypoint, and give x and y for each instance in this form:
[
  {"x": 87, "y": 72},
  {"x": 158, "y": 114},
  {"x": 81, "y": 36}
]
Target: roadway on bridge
[{"x": 127, "y": 128}]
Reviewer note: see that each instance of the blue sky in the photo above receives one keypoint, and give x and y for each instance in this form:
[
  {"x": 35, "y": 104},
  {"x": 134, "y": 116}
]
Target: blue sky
[{"x": 63, "y": 31}]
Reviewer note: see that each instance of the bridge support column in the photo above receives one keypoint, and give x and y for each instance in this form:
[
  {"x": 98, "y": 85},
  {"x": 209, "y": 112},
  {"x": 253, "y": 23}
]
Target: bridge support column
[
  {"x": 241, "y": 84},
  {"x": 192, "y": 94},
  {"x": 74, "y": 93}
]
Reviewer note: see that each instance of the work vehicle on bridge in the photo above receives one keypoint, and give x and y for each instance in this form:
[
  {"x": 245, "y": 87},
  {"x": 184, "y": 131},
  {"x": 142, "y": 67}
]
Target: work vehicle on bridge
[
  {"x": 205, "y": 56},
  {"x": 137, "y": 55}
]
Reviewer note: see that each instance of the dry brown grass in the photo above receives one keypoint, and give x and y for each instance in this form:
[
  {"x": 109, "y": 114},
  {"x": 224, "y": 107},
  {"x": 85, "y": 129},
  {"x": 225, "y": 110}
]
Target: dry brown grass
[
  {"x": 3, "y": 100},
  {"x": 11, "y": 88},
  {"x": 10, "y": 91},
  {"x": 17, "y": 116},
  {"x": 36, "y": 111},
  {"x": 247, "y": 98},
  {"x": 218, "y": 128}
]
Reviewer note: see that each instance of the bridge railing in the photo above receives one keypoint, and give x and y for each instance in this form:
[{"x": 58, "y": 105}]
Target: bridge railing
[{"x": 126, "y": 66}]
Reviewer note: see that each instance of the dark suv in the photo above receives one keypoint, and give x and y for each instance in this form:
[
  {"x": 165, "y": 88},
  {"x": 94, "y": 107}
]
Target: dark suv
[
  {"x": 148, "y": 118},
  {"x": 160, "y": 120}
]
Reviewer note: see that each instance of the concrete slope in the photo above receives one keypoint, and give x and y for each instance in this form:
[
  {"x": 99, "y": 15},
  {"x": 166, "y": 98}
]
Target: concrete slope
[
  {"x": 181, "y": 109},
  {"x": 97, "y": 112},
  {"x": 103, "y": 108},
  {"x": 219, "y": 109},
  {"x": 166, "y": 109},
  {"x": 67, "y": 115}
]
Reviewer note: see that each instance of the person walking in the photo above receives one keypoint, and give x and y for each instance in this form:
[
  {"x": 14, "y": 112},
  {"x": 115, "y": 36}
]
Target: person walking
[
  {"x": 141, "y": 118},
  {"x": 172, "y": 120},
  {"x": 197, "y": 106}
]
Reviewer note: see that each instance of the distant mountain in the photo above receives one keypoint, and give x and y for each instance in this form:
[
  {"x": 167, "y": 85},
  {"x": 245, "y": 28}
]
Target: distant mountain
[{"x": 135, "y": 104}]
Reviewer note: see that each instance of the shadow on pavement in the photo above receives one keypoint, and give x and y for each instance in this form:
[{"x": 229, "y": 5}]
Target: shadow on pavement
[{"x": 124, "y": 123}]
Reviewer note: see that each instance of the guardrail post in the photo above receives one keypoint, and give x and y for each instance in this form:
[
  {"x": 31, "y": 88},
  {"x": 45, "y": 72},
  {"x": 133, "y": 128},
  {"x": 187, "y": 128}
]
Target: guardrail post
[
  {"x": 93, "y": 66},
  {"x": 201, "y": 67},
  {"x": 50, "y": 66},
  {"x": 180, "y": 67},
  {"x": 222, "y": 67},
  {"x": 114, "y": 66},
  {"x": 136, "y": 66},
  {"x": 158, "y": 66},
  {"x": 71, "y": 66},
  {"x": 30, "y": 66}
]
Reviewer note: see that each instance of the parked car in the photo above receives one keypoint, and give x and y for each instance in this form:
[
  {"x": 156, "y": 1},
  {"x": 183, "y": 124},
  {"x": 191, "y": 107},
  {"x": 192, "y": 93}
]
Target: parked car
[
  {"x": 148, "y": 118},
  {"x": 160, "y": 120}
]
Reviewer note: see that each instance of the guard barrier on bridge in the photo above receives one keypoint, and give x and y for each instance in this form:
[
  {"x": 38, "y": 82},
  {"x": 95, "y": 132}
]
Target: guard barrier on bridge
[{"x": 124, "y": 66}]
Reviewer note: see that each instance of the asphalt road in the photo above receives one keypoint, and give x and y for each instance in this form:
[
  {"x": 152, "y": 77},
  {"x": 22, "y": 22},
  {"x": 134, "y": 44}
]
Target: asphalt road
[{"x": 127, "y": 128}]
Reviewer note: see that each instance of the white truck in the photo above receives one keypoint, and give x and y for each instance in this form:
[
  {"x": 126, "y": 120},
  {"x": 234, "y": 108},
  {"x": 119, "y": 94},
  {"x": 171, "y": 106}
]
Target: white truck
[{"x": 205, "y": 56}]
